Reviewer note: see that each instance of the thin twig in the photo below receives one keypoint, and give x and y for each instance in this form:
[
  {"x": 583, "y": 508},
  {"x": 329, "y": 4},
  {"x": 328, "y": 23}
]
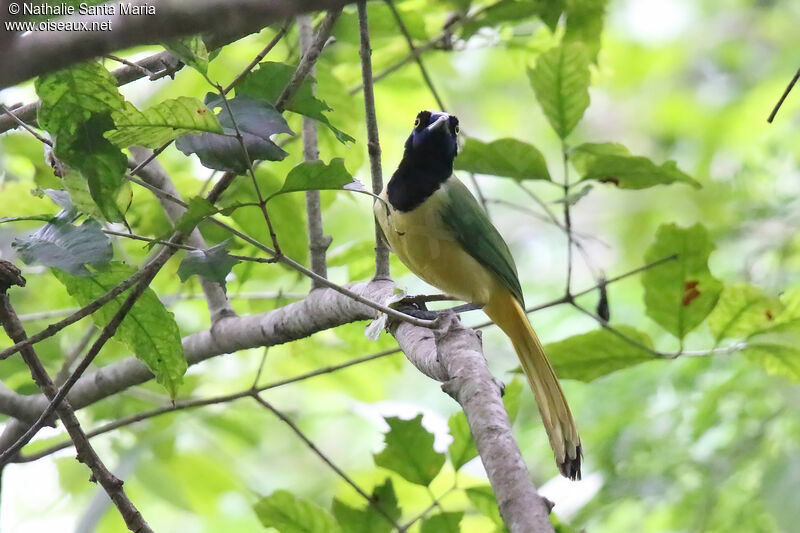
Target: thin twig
[
  {"x": 27, "y": 128},
  {"x": 786, "y": 91},
  {"x": 373, "y": 142},
  {"x": 259, "y": 57},
  {"x": 131, "y": 64},
  {"x": 313, "y": 447}
]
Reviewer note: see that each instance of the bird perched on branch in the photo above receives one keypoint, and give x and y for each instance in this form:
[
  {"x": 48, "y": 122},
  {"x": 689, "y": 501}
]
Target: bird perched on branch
[{"x": 437, "y": 228}]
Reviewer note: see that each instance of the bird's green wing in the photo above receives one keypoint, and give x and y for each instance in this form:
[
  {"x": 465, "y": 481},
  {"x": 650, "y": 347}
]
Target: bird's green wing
[{"x": 463, "y": 215}]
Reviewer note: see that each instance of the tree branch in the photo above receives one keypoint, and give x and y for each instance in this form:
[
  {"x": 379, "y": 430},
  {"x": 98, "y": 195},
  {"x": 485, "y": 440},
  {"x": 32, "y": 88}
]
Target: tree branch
[
  {"x": 453, "y": 355},
  {"x": 373, "y": 144},
  {"x": 40, "y": 52},
  {"x": 318, "y": 243},
  {"x": 86, "y": 454}
]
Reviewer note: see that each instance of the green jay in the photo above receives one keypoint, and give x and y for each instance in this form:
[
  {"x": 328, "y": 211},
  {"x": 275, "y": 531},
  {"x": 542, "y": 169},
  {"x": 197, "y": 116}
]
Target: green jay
[{"x": 439, "y": 231}]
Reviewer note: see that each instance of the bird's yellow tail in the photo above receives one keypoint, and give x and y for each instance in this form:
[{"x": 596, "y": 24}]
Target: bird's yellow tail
[{"x": 507, "y": 313}]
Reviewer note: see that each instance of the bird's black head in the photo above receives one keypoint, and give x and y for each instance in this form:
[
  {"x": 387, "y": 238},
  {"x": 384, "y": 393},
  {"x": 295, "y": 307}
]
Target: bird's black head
[
  {"x": 427, "y": 161},
  {"x": 433, "y": 137}
]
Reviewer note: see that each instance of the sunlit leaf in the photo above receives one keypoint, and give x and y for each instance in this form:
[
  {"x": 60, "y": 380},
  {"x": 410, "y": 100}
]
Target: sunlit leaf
[
  {"x": 213, "y": 264},
  {"x": 585, "y": 23},
  {"x": 61, "y": 244},
  {"x": 289, "y": 514},
  {"x": 483, "y": 499},
  {"x": 679, "y": 294},
  {"x": 588, "y": 356},
  {"x": 561, "y": 83},
  {"x": 409, "y": 451},
  {"x": 161, "y": 123},
  {"x": 777, "y": 349},
  {"x": 148, "y": 329},
  {"x": 369, "y": 519},
  {"x": 499, "y": 12},
  {"x": 612, "y": 163},
  {"x": 191, "y": 51},
  {"x": 510, "y": 158},
  {"x": 442, "y": 523},
  {"x": 742, "y": 310},
  {"x": 462, "y": 450}
]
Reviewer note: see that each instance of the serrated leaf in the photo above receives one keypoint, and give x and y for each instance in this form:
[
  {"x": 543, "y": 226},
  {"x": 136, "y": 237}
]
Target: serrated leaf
[
  {"x": 73, "y": 95},
  {"x": 62, "y": 245},
  {"x": 613, "y": 163},
  {"x": 680, "y": 294},
  {"x": 368, "y": 519},
  {"x": 510, "y": 158},
  {"x": 442, "y": 523},
  {"x": 484, "y": 501},
  {"x": 267, "y": 83},
  {"x": 289, "y": 514},
  {"x": 588, "y": 356},
  {"x": 191, "y": 51},
  {"x": 561, "y": 83},
  {"x": 316, "y": 175},
  {"x": 161, "y": 123},
  {"x": 741, "y": 311},
  {"x": 148, "y": 329},
  {"x": 256, "y": 120},
  {"x": 409, "y": 451},
  {"x": 777, "y": 349},
  {"x": 213, "y": 264}
]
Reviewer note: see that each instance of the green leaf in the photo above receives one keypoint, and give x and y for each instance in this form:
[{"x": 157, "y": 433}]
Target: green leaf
[
  {"x": 613, "y": 163},
  {"x": 741, "y": 311},
  {"x": 61, "y": 245},
  {"x": 75, "y": 110},
  {"x": 561, "y": 83},
  {"x": 500, "y": 12},
  {"x": 149, "y": 329},
  {"x": 317, "y": 176},
  {"x": 289, "y": 514},
  {"x": 777, "y": 349},
  {"x": 190, "y": 50},
  {"x": 588, "y": 356},
  {"x": 585, "y": 23},
  {"x": 409, "y": 451},
  {"x": 79, "y": 193},
  {"x": 161, "y": 123},
  {"x": 680, "y": 294},
  {"x": 442, "y": 523},
  {"x": 462, "y": 450},
  {"x": 71, "y": 96},
  {"x": 484, "y": 501},
  {"x": 574, "y": 197},
  {"x": 267, "y": 83},
  {"x": 256, "y": 120},
  {"x": 199, "y": 208},
  {"x": 213, "y": 264},
  {"x": 504, "y": 157},
  {"x": 368, "y": 519},
  {"x": 511, "y": 398}
]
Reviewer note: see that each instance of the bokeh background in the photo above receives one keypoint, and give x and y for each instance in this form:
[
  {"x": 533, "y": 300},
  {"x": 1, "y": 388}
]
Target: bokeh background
[{"x": 692, "y": 444}]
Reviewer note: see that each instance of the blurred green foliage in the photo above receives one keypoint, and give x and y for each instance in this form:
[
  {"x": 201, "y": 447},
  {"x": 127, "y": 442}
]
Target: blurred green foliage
[{"x": 690, "y": 443}]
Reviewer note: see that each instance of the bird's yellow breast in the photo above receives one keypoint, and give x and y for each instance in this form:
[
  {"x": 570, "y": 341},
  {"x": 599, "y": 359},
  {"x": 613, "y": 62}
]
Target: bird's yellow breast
[{"x": 430, "y": 250}]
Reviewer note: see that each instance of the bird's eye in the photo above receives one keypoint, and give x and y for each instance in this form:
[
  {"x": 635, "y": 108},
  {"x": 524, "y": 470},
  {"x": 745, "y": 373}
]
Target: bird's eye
[
  {"x": 457, "y": 129},
  {"x": 416, "y": 123}
]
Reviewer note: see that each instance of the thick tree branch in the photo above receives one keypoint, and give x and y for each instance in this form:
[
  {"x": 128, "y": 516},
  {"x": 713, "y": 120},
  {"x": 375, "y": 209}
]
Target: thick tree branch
[
  {"x": 40, "y": 52},
  {"x": 453, "y": 355}
]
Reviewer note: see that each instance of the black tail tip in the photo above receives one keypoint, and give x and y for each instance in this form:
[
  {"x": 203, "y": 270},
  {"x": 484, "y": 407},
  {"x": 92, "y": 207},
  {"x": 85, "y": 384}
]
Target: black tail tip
[{"x": 571, "y": 467}]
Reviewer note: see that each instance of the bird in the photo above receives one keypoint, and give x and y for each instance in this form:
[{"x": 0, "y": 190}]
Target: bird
[{"x": 437, "y": 228}]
